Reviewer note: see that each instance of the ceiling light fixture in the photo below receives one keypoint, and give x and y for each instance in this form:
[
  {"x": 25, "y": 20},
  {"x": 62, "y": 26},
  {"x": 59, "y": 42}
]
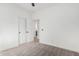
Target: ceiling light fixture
[{"x": 33, "y": 4}]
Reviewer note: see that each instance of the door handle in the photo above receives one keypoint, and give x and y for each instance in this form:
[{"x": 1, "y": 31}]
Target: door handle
[
  {"x": 19, "y": 32},
  {"x": 27, "y": 31}
]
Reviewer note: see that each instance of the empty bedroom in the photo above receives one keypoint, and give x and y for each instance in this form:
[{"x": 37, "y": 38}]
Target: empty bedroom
[{"x": 39, "y": 29}]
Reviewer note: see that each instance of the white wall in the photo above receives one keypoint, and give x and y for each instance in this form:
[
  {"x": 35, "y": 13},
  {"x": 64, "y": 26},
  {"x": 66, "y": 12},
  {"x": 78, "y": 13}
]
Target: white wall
[
  {"x": 9, "y": 15},
  {"x": 61, "y": 26}
]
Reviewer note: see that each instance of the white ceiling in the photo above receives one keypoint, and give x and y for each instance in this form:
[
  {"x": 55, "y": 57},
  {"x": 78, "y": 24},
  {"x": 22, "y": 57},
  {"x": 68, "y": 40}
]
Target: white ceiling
[{"x": 38, "y": 6}]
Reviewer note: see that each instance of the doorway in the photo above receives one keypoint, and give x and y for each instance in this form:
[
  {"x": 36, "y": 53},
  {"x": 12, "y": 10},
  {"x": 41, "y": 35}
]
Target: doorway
[
  {"x": 36, "y": 32},
  {"x": 22, "y": 27}
]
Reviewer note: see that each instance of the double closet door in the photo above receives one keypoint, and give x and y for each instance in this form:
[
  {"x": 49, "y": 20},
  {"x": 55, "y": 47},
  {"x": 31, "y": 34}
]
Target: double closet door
[{"x": 22, "y": 27}]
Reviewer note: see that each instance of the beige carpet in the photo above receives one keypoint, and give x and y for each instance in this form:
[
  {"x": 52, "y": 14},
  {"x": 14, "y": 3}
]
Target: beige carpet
[{"x": 37, "y": 49}]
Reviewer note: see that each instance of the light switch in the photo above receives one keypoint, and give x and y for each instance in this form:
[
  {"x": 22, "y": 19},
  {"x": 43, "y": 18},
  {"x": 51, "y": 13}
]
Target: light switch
[{"x": 42, "y": 29}]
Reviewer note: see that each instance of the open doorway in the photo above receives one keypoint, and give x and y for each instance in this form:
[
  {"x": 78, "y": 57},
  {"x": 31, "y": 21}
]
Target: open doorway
[{"x": 36, "y": 26}]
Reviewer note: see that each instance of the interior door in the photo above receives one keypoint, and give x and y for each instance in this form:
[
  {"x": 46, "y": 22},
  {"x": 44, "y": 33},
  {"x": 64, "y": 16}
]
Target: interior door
[{"x": 22, "y": 30}]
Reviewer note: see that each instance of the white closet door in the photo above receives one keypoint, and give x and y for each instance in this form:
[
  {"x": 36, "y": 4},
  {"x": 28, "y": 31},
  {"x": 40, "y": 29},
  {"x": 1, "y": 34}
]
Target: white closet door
[{"x": 22, "y": 38}]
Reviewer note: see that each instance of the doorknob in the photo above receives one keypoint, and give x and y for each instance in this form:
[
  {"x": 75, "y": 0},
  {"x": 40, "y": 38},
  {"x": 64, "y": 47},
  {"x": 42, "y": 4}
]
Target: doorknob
[
  {"x": 27, "y": 31},
  {"x": 19, "y": 32}
]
